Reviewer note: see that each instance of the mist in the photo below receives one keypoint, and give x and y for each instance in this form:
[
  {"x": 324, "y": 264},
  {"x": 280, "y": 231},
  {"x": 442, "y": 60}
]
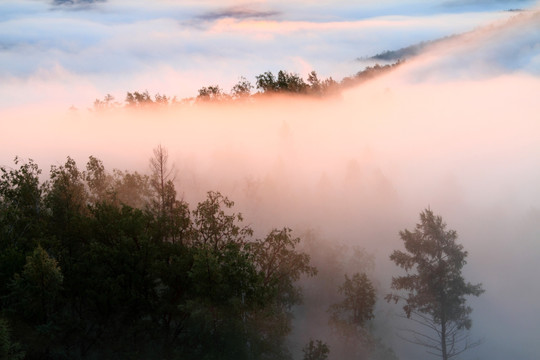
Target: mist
[
  {"x": 456, "y": 129},
  {"x": 86, "y": 49}
]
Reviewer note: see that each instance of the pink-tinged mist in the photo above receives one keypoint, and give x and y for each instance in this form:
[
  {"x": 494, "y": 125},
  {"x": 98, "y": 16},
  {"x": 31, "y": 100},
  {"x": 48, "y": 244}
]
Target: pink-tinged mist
[{"x": 456, "y": 128}]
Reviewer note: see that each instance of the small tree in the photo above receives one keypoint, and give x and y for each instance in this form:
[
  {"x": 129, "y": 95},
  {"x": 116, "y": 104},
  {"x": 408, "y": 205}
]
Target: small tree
[
  {"x": 315, "y": 350},
  {"x": 242, "y": 89},
  {"x": 212, "y": 93},
  {"x": 266, "y": 82},
  {"x": 139, "y": 99},
  {"x": 435, "y": 288},
  {"x": 351, "y": 314},
  {"x": 36, "y": 292}
]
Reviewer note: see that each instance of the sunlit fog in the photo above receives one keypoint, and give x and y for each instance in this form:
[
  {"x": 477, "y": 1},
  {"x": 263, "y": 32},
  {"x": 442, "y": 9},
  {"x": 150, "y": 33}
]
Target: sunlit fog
[{"x": 454, "y": 127}]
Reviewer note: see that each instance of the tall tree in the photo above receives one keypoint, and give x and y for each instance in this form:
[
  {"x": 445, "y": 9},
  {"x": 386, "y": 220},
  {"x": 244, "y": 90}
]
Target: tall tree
[
  {"x": 435, "y": 288},
  {"x": 21, "y": 217},
  {"x": 242, "y": 89},
  {"x": 161, "y": 174},
  {"x": 172, "y": 214}
]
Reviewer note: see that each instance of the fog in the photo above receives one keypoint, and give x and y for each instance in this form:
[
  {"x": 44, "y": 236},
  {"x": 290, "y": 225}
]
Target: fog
[
  {"x": 456, "y": 129},
  {"x": 86, "y": 49}
]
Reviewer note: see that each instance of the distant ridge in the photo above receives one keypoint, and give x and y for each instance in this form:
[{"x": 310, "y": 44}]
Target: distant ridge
[
  {"x": 409, "y": 51},
  {"x": 415, "y": 49}
]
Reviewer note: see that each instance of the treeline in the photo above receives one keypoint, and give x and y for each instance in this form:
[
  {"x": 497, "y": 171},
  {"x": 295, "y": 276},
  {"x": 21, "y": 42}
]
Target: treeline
[
  {"x": 265, "y": 84},
  {"x": 101, "y": 265},
  {"x": 95, "y": 265},
  {"x": 112, "y": 265}
]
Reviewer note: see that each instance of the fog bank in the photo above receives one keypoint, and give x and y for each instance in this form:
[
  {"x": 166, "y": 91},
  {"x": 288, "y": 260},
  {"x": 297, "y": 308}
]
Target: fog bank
[
  {"x": 355, "y": 169},
  {"x": 457, "y": 129}
]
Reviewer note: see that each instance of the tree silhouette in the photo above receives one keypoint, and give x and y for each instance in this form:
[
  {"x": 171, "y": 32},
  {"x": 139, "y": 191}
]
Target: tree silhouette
[
  {"x": 435, "y": 289},
  {"x": 242, "y": 89},
  {"x": 315, "y": 350}
]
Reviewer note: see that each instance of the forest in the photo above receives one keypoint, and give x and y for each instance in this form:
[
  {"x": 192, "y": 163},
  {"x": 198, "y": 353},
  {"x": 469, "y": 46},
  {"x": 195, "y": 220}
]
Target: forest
[
  {"x": 114, "y": 265},
  {"x": 269, "y": 180}
]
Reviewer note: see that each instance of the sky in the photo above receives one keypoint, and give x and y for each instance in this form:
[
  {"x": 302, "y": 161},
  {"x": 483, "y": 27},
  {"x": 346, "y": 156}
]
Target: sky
[
  {"x": 456, "y": 128},
  {"x": 86, "y": 49}
]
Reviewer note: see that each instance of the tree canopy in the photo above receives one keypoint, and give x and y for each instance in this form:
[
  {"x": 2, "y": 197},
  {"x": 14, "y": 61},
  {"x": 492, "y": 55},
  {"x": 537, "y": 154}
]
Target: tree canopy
[{"x": 112, "y": 265}]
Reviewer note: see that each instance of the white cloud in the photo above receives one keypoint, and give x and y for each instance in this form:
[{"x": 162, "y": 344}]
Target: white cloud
[{"x": 130, "y": 40}]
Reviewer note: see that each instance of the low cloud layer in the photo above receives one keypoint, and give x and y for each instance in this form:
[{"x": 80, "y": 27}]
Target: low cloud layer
[
  {"x": 163, "y": 46},
  {"x": 456, "y": 129},
  {"x": 507, "y": 46},
  {"x": 355, "y": 170},
  {"x": 238, "y": 12}
]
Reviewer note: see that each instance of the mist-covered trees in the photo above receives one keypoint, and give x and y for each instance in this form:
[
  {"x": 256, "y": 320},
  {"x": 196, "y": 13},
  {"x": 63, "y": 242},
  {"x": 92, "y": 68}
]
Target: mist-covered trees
[
  {"x": 284, "y": 83},
  {"x": 88, "y": 275},
  {"x": 315, "y": 350},
  {"x": 356, "y": 308},
  {"x": 434, "y": 290},
  {"x": 99, "y": 264}
]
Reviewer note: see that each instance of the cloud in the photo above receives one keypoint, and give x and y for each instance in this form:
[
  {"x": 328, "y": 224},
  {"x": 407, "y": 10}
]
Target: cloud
[
  {"x": 129, "y": 41},
  {"x": 504, "y": 47},
  {"x": 119, "y": 46},
  {"x": 484, "y": 3},
  {"x": 239, "y": 12},
  {"x": 76, "y": 2}
]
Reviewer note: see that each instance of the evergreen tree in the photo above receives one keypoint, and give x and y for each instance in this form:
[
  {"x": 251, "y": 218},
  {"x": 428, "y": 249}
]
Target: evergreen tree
[{"x": 434, "y": 286}]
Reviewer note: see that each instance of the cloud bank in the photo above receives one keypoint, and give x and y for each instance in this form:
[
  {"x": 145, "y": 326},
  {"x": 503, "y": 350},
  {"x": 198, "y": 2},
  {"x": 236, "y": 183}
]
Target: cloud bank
[
  {"x": 456, "y": 128},
  {"x": 164, "y": 46}
]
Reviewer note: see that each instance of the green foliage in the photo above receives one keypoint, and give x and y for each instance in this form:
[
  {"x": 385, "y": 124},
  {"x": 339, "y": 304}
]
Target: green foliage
[
  {"x": 131, "y": 189},
  {"x": 266, "y": 82},
  {"x": 281, "y": 265},
  {"x": 109, "y": 266},
  {"x": 139, "y": 99},
  {"x": 21, "y": 217},
  {"x": 242, "y": 89},
  {"x": 316, "y": 350},
  {"x": 434, "y": 286},
  {"x": 370, "y": 72},
  {"x": 67, "y": 196},
  {"x": 285, "y": 82},
  {"x": 34, "y": 303},
  {"x": 289, "y": 82},
  {"x": 211, "y": 93},
  {"x": 37, "y": 288},
  {"x": 136, "y": 99},
  {"x": 173, "y": 223},
  {"x": 213, "y": 227}
]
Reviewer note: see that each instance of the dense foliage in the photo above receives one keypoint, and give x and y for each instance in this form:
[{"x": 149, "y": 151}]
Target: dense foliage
[
  {"x": 95, "y": 265},
  {"x": 112, "y": 265}
]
